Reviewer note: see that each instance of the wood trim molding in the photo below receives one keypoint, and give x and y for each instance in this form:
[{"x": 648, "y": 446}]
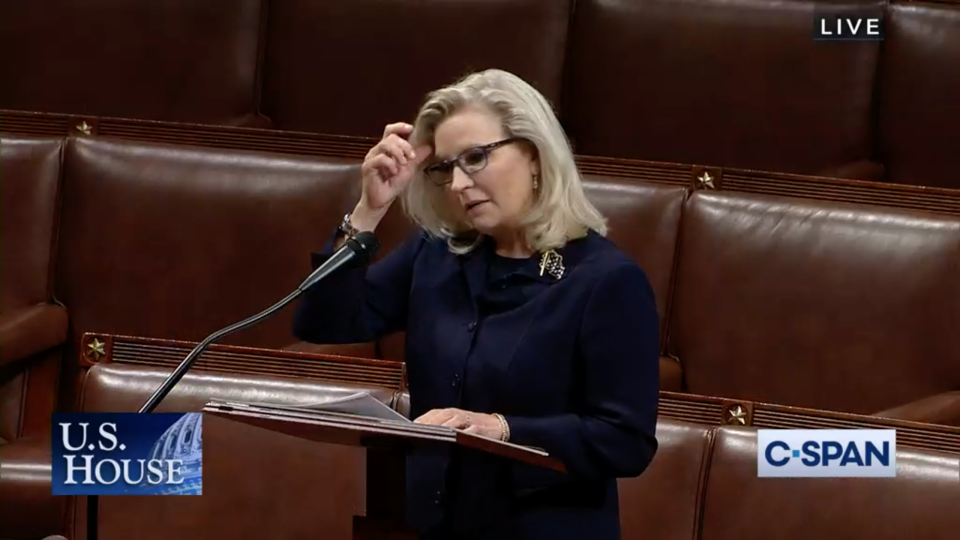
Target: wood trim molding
[
  {"x": 719, "y": 411},
  {"x": 938, "y": 200},
  {"x": 103, "y": 348}
]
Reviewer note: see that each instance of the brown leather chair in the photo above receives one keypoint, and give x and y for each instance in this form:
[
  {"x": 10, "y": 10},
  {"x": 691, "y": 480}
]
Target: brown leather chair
[
  {"x": 644, "y": 221},
  {"x": 256, "y": 484},
  {"x": 921, "y": 502},
  {"x": 666, "y": 501},
  {"x": 352, "y": 66},
  {"x": 32, "y": 329},
  {"x": 734, "y": 84},
  {"x": 177, "y": 242},
  {"x": 917, "y": 93},
  {"x": 759, "y": 296},
  {"x": 816, "y": 304},
  {"x": 703, "y": 485},
  {"x": 32, "y": 325},
  {"x": 177, "y": 60}
]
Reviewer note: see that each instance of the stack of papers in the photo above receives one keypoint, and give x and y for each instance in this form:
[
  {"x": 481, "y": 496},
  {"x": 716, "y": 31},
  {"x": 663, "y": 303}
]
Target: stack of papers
[{"x": 359, "y": 404}]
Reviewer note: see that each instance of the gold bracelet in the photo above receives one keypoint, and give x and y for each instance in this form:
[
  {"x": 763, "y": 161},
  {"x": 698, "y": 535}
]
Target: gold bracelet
[{"x": 504, "y": 427}]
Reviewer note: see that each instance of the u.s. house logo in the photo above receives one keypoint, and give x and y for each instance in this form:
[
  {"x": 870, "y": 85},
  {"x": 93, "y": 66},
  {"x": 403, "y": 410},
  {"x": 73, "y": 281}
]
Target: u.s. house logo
[{"x": 127, "y": 454}]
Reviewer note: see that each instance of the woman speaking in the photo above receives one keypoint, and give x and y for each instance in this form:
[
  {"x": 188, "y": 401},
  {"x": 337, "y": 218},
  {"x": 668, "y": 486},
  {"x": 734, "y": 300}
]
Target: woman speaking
[{"x": 523, "y": 322}]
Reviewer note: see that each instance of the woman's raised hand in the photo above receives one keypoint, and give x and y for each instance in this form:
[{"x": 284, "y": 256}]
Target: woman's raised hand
[{"x": 389, "y": 166}]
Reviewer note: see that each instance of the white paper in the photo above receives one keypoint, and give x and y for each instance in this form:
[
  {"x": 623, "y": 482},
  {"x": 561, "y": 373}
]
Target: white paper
[{"x": 359, "y": 404}]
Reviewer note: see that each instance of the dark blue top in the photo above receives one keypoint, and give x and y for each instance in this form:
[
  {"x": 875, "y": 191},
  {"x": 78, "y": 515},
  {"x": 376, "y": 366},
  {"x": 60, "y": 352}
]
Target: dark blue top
[{"x": 571, "y": 362}]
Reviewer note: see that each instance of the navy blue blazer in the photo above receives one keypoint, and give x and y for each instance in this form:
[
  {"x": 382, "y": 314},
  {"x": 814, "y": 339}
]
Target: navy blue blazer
[{"x": 574, "y": 370}]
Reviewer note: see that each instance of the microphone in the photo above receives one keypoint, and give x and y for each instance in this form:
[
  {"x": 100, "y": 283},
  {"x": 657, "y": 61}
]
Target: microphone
[{"x": 356, "y": 251}]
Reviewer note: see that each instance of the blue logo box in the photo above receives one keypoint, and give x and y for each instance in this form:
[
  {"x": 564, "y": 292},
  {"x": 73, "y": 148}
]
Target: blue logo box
[
  {"x": 127, "y": 454},
  {"x": 827, "y": 453}
]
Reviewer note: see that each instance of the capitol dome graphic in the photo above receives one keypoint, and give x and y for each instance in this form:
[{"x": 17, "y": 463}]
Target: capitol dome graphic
[{"x": 182, "y": 441}]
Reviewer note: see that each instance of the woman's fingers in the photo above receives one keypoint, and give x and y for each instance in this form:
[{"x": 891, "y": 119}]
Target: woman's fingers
[
  {"x": 394, "y": 151},
  {"x": 395, "y": 145},
  {"x": 445, "y": 417},
  {"x": 458, "y": 420},
  {"x": 399, "y": 148},
  {"x": 436, "y": 416},
  {"x": 470, "y": 422},
  {"x": 400, "y": 153},
  {"x": 398, "y": 128},
  {"x": 384, "y": 162}
]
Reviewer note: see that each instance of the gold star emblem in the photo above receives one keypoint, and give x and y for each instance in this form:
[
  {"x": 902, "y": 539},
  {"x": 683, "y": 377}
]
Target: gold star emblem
[
  {"x": 97, "y": 349},
  {"x": 737, "y": 415},
  {"x": 85, "y": 128},
  {"x": 706, "y": 180}
]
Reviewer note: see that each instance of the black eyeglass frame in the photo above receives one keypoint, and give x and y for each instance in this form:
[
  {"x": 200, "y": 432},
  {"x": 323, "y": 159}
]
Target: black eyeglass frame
[{"x": 447, "y": 165}]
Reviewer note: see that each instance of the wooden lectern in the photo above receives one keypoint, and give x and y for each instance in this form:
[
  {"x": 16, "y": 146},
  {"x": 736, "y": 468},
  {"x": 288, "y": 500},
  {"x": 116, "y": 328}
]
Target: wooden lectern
[{"x": 385, "y": 441}]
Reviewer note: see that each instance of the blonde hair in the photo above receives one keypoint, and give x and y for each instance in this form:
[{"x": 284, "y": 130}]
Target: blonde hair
[{"x": 561, "y": 210}]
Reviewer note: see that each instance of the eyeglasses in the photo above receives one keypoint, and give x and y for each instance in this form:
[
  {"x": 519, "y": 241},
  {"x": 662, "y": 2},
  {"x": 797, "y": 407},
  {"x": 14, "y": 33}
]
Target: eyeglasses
[{"x": 470, "y": 161}]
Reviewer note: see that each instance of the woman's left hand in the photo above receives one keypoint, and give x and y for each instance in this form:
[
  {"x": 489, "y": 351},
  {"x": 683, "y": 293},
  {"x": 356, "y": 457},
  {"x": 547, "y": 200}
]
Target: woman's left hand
[{"x": 485, "y": 425}]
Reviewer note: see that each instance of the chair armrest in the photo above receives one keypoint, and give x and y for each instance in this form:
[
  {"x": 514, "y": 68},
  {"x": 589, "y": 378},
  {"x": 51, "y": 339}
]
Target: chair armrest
[
  {"x": 401, "y": 403},
  {"x": 671, "y": 375},
  {"x": 27, "y": 507},
  {"x": 27, "y": 331},
  {"x": 937, "y": 409}
]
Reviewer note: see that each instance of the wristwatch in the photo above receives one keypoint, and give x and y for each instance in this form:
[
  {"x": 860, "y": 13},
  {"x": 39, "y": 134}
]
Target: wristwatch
[{"x": 347, "y": 228}]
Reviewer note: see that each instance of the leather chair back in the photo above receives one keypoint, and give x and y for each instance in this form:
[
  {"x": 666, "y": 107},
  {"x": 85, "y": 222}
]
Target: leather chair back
[
  {"x": 28, "y": 215},
  {"x": 737, "y": 84},
  {"x": 816, "y": 304},
  {"x": 176, "y": 60},
  {"x": 666, "y": 501},
  {"x": 256, "y": 484},
  {"x": 918, "y": 93},
  {"x": 921, "y": 502},
  {"x": 644, "y": 221},
  {"x": 177, "y": 242},
  {"x": 353, "y": 66},
  {"x": 31, "y": 184}
]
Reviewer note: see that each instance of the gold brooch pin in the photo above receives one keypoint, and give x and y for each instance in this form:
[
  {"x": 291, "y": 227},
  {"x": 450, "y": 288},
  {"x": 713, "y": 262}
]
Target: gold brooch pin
[{"x": 552, "y": 263}]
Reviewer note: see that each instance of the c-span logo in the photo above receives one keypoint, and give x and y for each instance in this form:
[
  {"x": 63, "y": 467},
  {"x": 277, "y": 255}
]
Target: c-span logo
[
  {"x": 127, "y": 454},
  {"x": 827, "y": 453}
]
